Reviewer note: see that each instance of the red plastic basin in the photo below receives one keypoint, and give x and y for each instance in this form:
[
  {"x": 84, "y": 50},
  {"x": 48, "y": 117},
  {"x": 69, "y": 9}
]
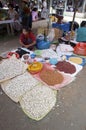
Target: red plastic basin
[{"x": 80, "y": 49}]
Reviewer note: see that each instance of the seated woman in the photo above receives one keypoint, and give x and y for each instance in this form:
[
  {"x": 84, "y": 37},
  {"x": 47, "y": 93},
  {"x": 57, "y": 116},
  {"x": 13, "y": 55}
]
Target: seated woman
[
  {"x": 13, "y": 15},
  {"x": 34, "y": 14},
  {"x": 27, "y": 39}
]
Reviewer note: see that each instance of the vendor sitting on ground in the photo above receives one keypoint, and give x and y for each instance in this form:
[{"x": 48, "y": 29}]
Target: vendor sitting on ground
[{"x": 27, "y": 39}]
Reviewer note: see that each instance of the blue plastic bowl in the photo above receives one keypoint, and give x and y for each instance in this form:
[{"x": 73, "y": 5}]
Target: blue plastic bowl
[
  {"x": 33, "y": 55},
  {"x": 53, "y": 61}
]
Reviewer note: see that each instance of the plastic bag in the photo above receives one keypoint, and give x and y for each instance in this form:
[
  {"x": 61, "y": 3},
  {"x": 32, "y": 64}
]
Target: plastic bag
[{"x": 51, "y": 35}]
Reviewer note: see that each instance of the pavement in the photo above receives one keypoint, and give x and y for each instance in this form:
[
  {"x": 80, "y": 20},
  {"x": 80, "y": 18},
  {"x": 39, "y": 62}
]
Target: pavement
[{"x": 69, "y": 112}]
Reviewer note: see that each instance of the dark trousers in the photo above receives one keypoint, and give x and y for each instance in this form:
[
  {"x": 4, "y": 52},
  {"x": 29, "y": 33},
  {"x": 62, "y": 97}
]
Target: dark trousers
[{"x": 27, "y": 21}]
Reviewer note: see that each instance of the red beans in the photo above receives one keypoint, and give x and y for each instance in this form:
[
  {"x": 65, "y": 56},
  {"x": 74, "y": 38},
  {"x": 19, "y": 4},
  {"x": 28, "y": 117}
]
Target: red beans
[{"x": 66, "y": 67}]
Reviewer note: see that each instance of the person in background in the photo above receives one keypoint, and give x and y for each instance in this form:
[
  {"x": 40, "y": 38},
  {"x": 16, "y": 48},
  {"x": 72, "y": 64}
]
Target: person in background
[
  {"x": 17, "y": 8},
  {"x": 1, "y": 5},
  {"x": 26, "y": 16},
  {"x": 13, "y": 15},
  {"x": 34, "y": 14},
  {"x": 44, "y": 11},
  {"x": 83, "y": 24},
  {"x": 27, "y": 39},
  {"x": 44, "y": 4}
]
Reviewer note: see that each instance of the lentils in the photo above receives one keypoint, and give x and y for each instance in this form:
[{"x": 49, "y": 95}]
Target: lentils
[{"x": 51, "y": 77}]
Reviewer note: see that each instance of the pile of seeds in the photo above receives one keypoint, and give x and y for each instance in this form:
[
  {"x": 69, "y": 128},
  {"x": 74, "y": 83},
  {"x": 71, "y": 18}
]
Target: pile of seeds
[
  {"x": 51, "y": 77},
  {"x": 66, "y": 67},
  {"x": 35, "y": 99},
  {"x": 10, "y": 68},
  {"x": 38, "y": 102},
  {"x": 17, "y": 86},
  {"x": 76, "y": 60}
]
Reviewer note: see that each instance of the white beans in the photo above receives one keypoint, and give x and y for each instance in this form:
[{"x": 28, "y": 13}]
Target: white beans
[
  {"x": 10, "y": 68},
  {"x": 17, "y": 86},
  {"x": 38, "y": 102}
]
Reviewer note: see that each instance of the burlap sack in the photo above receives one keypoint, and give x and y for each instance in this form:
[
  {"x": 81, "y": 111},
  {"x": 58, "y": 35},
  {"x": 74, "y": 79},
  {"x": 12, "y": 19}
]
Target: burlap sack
[
  {"x": 43, "y": 30},
  {"x": 46, "y": 31},
  {"x": 58, "y": 33}
]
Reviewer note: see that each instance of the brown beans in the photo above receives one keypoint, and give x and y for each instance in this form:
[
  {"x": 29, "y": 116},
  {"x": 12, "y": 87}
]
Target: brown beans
[
  {"x": 66, "y": 67},
  {"x": 51, "y": 77}
]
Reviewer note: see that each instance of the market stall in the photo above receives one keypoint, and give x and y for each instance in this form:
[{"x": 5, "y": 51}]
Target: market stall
[
  {"x": 9, "y": 26},
  {"x": 5, "y": 21},
  {"x": 34, "y": 77}
]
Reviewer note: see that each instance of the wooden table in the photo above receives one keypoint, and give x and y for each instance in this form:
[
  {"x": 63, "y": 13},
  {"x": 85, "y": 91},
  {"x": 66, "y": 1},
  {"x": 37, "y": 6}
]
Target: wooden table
[{"x": 9, "y": 23}]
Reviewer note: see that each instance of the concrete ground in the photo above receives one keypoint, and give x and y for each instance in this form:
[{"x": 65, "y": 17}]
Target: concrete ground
[{"x": 69, "y": 112}]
